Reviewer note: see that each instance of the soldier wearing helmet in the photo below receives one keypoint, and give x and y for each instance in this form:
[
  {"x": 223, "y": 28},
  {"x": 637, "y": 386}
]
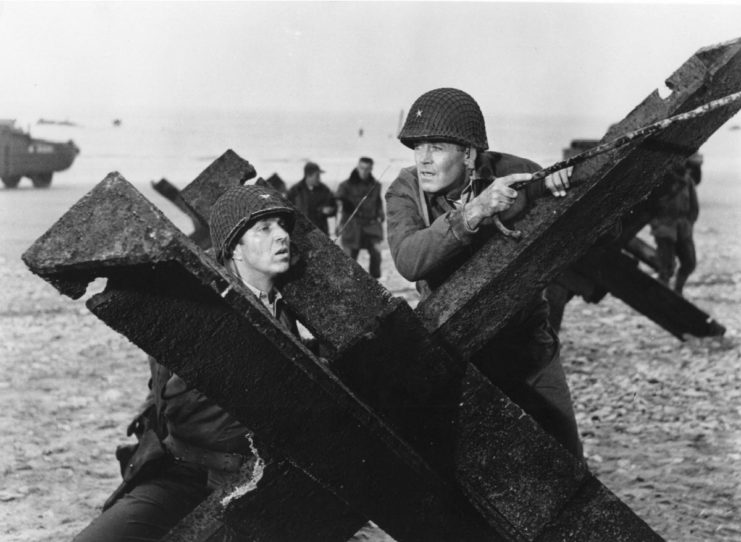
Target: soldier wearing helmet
[
  {"x": 188, "y": 445},
  {"x": 440, "y": 211}
]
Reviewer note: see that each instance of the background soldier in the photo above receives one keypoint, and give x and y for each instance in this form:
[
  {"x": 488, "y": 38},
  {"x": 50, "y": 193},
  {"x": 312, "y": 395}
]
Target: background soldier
[
  {"x": 313, "y": 198},
  {"x": 439, "y": 215},
  {"x": 361, "y": 220},
  {"x": 674, "y": 215}
]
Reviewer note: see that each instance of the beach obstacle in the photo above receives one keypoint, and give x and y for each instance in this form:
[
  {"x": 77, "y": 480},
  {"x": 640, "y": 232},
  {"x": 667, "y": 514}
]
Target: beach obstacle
[
  {"x": 612, "y": 266},
  {"x": 395, "y": 426}
]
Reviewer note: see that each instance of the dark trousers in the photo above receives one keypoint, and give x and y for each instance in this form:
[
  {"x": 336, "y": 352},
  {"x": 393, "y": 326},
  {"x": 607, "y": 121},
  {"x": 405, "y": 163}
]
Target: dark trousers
[
  {"x": 152, "y": 508},
  {"x": 528, "y": 370},
  {"x": 683, "y": 249},
  {"x": 374, "y": 251}
]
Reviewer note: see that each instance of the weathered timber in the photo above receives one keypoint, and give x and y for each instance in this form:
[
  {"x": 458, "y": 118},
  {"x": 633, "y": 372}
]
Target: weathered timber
[
  {"x": 595, "y": 273},
  {"x": 619, "y": 273},
  {"x": 179, "y": 306},
  {"x": 504, "y": 276},
  {"x": 642, "y": 251},
  {"x": 515, "y": 474},
  {"x": 199, "y": 195},
  {"x": 267, "y": 508}
]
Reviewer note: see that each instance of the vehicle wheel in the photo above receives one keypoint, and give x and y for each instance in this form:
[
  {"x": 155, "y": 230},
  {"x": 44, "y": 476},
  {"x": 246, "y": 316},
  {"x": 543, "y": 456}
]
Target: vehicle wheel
[
  {"x": 11, "y": 182},
  {"x": 41, "y": 180}
]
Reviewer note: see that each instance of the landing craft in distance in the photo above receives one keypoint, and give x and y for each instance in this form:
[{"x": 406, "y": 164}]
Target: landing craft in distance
[
  {"x": 117, "y": 122},
  {"x": 57, "y": 122},
  {"x": 38, "y": 159}
]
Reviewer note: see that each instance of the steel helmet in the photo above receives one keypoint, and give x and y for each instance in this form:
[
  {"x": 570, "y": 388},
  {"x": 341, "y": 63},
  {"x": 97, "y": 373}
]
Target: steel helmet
[
  {"x": 240, "y": 207},
  {"x": 445, "y": 114}
]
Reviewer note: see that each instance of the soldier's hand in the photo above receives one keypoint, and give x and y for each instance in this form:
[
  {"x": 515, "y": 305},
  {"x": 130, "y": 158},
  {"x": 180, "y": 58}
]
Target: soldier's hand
[
  {"x": 496, "y": 198},
  {"x": 558, "y": 182}
]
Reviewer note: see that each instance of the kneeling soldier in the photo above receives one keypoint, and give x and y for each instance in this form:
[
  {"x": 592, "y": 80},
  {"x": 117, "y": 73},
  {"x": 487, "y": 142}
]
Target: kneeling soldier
[{"x": 193, "y": 445}]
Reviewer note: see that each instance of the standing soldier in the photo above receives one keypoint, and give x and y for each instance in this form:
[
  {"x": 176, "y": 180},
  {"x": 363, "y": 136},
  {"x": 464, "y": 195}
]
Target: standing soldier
[
  {"x": 313, "y": 198},
  {"x": 674, "y": 215},
  {"x": 361, "y": 221},
  {"x": 439, "y": 215}
]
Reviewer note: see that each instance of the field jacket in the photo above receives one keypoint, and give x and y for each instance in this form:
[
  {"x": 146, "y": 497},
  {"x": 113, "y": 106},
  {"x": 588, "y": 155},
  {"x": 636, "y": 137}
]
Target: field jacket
[
  {"x": 430, "y": 254},
  {"x": 367, "y": 223}
]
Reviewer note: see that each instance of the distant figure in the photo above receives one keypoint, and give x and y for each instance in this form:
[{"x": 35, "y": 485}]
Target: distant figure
[
  {"x": 276, "y": 183},
  {"x": 361, "y": 221},
  {"x": 117, "y": 122},
  {"x": 674, "y": 214},
  {"x": 313, "y": 198}
]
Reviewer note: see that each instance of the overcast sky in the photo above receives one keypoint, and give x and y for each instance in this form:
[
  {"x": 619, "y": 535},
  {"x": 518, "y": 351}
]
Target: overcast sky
[{"x": 63, "y": 58}]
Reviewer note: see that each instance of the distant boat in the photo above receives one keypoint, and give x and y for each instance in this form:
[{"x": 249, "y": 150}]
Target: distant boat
[
  {"x": 57, "y": 122},
  {"x": 735, "y": 127},
  {"x": 117, "y": 122},
  {"x": 24, "y": 156}
]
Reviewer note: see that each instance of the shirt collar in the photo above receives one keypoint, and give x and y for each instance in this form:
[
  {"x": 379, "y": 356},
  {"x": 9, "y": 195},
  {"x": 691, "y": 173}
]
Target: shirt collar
[{"x": 264, "y": 297}]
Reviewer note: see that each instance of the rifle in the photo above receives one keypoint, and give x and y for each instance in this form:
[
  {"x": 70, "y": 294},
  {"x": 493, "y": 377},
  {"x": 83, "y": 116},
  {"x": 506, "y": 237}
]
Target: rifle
[
  {"x": 619, "y": 142},
  {"x": 357, "y": 207}
]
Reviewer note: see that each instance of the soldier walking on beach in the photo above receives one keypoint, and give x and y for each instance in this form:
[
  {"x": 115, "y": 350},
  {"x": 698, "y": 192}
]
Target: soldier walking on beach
[
  {"x": 675, "y": 212},
  {"x": 440, "y": 211},
  {"x": 313, "y": 198},
  {"x": 188, "y": 446},
  {"x": 361, "y": 221}
]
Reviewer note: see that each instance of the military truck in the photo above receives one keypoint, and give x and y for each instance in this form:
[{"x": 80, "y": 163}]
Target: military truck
[{"x": 38, "y": 159}]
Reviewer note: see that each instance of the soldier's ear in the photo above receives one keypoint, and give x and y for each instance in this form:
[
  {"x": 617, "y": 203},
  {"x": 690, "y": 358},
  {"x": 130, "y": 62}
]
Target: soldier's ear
[{"x": 470, "y": 157}]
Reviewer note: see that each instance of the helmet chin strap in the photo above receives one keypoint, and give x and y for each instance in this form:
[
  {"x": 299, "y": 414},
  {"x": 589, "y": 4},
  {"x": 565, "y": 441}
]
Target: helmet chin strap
[{"x": 469, "y": 160}]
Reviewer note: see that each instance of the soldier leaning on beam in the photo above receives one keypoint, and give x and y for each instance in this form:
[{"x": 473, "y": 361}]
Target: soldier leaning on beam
[
  {"x": 192, "y": 445},
  {"x": 437, "y": 220}
]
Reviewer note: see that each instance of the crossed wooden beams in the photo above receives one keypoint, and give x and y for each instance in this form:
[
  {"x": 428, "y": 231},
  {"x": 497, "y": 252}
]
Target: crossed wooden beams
[
  {"x": 397, "y": 427},
  {"x": 613, "y": 267}
]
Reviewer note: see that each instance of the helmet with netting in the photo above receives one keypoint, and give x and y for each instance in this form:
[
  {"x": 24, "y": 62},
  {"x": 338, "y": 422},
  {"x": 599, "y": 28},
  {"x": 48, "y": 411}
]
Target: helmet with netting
[
  {"x": 238, "y": 209},
  {"x": 445, "y": 114}
]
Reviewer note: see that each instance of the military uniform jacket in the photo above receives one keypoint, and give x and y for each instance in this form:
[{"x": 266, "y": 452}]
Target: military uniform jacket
[
  {"x": 430, "y": 254},
  {"x": 366, "y": 225}
]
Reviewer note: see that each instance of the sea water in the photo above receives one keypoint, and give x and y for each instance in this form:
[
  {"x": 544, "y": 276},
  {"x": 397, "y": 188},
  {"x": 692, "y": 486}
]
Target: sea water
[{"x": 178, "y": 145}]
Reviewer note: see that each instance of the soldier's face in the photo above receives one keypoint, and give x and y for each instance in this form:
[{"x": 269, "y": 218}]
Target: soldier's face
[
  {"x": 313, "y": 179},
  {"x": 439, "y": 165},
  {"x": 364, "y": 170},
  {"x": 263, "y": 250}
]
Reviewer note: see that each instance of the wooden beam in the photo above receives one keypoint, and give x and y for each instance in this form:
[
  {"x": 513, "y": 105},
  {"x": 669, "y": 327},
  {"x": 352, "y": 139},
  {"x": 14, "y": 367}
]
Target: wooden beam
[
  {"x": 515, "y": 473},
  {"x": 619, "y": 273}
]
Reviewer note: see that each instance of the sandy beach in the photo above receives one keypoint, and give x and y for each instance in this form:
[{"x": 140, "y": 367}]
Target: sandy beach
[{"x": 660, "y": 419}]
